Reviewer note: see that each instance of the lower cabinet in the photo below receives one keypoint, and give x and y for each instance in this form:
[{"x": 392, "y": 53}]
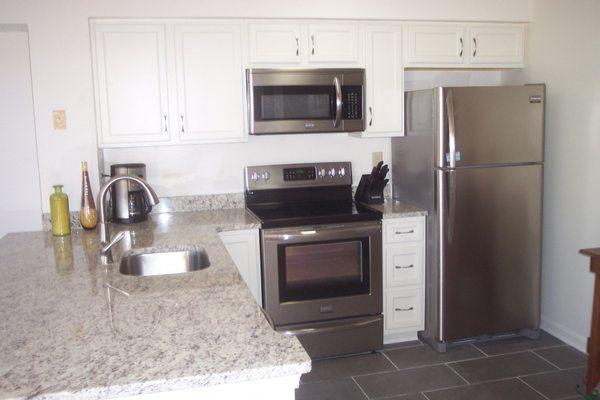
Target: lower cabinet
[
  {"x": 243, "y": 247},
  {"x": 403, "y": 278}
]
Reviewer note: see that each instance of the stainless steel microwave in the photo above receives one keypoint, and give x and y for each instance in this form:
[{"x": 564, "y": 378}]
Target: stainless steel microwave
[{"x": 305, "y": 101}]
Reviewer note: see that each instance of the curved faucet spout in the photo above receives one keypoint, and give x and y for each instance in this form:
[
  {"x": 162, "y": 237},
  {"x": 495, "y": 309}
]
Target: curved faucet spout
[{"x": 151, "y": 197}]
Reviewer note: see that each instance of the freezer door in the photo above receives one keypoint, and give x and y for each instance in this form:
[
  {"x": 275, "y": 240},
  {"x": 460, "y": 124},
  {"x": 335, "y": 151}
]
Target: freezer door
[
  {"x": 491, "y": 125},
  {"x": 489, "y": 250}
]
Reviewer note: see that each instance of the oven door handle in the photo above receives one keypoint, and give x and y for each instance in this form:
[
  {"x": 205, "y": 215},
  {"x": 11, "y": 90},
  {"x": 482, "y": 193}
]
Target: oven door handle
[
  {"x": 335, "y": 327},
  {"x": 338, "y": 101}
]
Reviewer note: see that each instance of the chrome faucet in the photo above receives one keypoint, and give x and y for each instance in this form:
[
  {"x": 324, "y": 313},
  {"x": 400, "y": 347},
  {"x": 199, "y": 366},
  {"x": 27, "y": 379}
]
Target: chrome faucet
[{"x": 105, "y": 242}]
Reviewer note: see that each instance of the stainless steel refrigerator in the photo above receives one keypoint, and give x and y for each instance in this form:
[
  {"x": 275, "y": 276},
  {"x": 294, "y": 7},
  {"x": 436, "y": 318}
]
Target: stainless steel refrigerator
[{"x": 473, "y": 157}]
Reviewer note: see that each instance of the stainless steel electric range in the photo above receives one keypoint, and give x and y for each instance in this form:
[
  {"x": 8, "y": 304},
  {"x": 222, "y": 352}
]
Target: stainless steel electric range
[{"x": 320, "y": 255}]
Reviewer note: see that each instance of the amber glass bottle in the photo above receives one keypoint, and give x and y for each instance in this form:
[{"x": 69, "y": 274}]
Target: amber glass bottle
[{"x": 87, "y": 215}]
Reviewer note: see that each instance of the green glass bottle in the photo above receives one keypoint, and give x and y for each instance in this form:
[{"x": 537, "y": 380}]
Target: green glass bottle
[{"x": 59, "y": 212}]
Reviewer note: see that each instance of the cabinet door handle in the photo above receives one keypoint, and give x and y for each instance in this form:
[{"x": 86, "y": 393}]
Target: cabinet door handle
[
  {"x": 166, "y": 125},
  {"x": 370, "y": 116},
  {"x": 462, "y": 47},
  {"x": 405, "y": 232},
  {"x": 297, "y": 47},
  {"x": 474, "y": 47},
  {"x": 405, "y": 309},
  {"x": 405, "y": 266},
  {"x": 312, "y": 38},
  {"x": 182, "y": 124}
]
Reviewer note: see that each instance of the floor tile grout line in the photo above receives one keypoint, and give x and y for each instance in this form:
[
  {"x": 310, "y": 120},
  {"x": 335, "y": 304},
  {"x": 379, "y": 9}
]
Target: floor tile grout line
[
  {"x": 425, "y": 395},
  {"x": 390, "y": 360},
  {"x": 360, "y": 387},
  {"x": 484, "y": 353},
  {"x": 524, "y": 350},
  {"x": 552, "y": 371},
  {"x": 456, "y": 372},
  {"x": 548, "y": 361},
  {"x": 534, "y": 389}
]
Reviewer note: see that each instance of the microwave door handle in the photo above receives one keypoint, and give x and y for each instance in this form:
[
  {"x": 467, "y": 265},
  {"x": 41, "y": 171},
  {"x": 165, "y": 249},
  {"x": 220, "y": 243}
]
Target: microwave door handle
[{"x": 338, "y": 102}]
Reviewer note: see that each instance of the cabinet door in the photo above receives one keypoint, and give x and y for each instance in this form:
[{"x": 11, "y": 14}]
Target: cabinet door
[
  {"x": 243, "y": 248},
  {"x": 274, "y": 43},
  {"x": 435, "y": 45},
  {"x": 497, "y": 45},
  {"x": 209, "y": 82},
  {"x": 131, "y": 83},
  {"x": 385, "y": 83},
  {"x": 333, "y": 43}
]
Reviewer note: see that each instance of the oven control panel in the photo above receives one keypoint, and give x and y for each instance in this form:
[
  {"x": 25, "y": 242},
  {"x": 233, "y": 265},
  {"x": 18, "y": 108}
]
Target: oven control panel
[{"x": 298, "y": 175}]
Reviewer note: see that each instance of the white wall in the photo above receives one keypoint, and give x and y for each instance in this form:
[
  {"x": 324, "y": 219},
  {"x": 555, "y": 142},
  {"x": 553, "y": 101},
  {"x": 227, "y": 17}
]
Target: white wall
[
  {"x": 62, "y": 78},
  {"x": 20, "y": 204},
  {"x": 564, "y": 52}
]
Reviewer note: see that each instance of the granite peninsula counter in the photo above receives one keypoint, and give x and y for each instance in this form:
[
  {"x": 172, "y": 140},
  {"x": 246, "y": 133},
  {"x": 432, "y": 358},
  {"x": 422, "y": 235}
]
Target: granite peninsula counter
[{"x": 72, "y": 328}]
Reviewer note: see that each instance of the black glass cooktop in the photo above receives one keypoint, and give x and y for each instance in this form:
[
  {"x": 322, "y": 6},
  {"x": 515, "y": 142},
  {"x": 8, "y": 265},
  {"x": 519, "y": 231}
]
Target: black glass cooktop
[{"x": 274, "y": 215}]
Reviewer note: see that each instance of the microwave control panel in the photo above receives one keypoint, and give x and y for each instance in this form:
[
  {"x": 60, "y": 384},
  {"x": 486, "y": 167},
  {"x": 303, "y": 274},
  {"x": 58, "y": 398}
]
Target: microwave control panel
[{"x": 352, "y": 106}]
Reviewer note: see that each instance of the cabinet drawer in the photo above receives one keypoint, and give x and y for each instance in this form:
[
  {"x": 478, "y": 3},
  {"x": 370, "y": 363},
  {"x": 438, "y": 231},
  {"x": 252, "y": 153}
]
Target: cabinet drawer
[
  {"x": 408, "y": 230},
  {"x": 404, "y": 308},
  {"x": 404, "y": 265}
]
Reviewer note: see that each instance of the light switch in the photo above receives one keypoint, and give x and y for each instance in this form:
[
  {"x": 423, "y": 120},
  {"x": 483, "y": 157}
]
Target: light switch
[
  {"x": 60, "y": 119},
  {"x": 377, "y": 156}
]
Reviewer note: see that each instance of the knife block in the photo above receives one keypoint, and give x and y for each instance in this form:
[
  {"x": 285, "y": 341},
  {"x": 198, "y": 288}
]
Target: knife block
[{"x": 368, "y": 194}]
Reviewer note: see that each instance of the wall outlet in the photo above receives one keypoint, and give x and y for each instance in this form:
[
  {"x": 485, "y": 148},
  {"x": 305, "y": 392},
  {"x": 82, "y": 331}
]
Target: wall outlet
[
  {"x": 377, "y": 156},
  {"x": 59, "y": 117}
]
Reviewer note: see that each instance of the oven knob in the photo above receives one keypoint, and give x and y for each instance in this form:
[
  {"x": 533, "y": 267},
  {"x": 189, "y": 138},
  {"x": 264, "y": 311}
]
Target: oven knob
[
  {"x": 331, "y": 173},
  {"x": 254, "y": 176},
  {"x": 341, "y": 172},
  {"x": 321, "y": 173},
  {"x": 265, "y": 175}
]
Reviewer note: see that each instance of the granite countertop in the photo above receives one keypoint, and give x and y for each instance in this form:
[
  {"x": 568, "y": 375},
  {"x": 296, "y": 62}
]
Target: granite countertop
[
  {"x": 397, "y": 209},
  {"x": 74, "y": 329}
]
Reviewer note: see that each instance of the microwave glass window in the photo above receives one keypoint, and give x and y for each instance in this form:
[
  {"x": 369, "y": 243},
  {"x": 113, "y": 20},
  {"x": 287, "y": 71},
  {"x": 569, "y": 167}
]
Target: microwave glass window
[
  {"x": 295, "y": 106},
  {"x": 280, "y": 103},
  {"x": 323, "y": 269}
]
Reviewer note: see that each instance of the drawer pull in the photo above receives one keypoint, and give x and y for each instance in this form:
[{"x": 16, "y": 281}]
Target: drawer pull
[
  {"x": 405, "y": 266},
  {"x": 405, "y": 232},
  {"x": 405, "y": 309}
]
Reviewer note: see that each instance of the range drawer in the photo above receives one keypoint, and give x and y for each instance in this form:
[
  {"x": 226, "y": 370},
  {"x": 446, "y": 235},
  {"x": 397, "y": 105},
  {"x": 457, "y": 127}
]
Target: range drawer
[
  {"x": 405, "y": 264},
  {"x": 405, "y": 230},
  {"x": 404, "y": 308}
]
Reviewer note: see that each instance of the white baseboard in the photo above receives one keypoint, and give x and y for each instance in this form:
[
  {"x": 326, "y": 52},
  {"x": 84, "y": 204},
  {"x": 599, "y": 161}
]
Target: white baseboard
[
  {"x": 390, "y": 338},
  {"x": 565, "y": 334}
]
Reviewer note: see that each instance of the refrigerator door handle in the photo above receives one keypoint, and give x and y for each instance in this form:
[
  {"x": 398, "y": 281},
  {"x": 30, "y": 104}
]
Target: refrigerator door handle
[
  {"x": 451, "y": 188},
  {"x": 451, "y": 156}
]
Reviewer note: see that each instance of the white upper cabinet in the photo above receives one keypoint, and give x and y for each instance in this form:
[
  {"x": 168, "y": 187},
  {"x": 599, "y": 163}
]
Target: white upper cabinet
[
  {"x": 385, "y": 80},
  {"x": 274, "y": 43},
  {"x": 131, "y": 82},
  {"x": 435, "y": 43},
  {"x": 497, "y": 44},
  {"x": 208, "y": 63},
  {"x": 464, "y": 45},
  {"x": 333, "y": 43}
]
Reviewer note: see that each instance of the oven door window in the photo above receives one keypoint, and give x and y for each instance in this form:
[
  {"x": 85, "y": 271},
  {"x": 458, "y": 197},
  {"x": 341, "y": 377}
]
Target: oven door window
[
  {"x": 319, "y": 270},
  {"x": 275, "y": 103}
]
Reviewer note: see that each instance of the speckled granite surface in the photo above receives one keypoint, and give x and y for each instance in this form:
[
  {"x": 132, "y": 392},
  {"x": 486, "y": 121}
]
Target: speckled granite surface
[
  {"x": 397, "y": 209},
  {"x": 74, "y": 329}
]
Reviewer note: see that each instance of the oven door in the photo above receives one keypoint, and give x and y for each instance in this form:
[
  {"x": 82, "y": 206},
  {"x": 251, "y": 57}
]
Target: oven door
[
  {"x": 305, "y": 101},
  {"x": 322, "y": 272}
]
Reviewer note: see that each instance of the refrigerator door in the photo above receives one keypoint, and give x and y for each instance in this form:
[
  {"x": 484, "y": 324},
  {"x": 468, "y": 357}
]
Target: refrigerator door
[
  {"x": 489, "y": 250},
  {"x": 491, "y": 125}
]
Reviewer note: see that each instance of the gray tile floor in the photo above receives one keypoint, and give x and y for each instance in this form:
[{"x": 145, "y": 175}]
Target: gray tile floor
[{"x": 512, "y": 369}]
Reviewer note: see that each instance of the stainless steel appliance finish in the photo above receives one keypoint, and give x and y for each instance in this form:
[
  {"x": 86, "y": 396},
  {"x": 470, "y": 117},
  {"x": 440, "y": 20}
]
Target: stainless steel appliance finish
[
  {"x": 321, "y": 257},
  {"x": 473, "y": 157},
  {"x": 127, "y": 196},
  {"x": 353, "y": 276},
  {"x": 305, "y": 101},
  {"x": 263, "y": 177},
  {"x": 164, "y": 263}
]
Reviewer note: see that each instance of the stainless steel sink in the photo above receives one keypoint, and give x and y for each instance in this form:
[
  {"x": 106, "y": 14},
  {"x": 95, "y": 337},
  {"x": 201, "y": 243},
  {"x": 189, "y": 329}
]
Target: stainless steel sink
[{"x": 164, "y": 262}]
